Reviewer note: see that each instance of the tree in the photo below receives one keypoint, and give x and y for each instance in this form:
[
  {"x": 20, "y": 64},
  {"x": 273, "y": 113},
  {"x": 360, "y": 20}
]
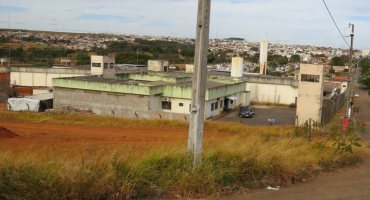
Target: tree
[
  {"x": 211, "y": 58},
  {"x": 256, "y": 70},
  {"x": 295, "y": 58},
  {"x": 338, "y": 61},
  {"x": 282, "y": 60}
]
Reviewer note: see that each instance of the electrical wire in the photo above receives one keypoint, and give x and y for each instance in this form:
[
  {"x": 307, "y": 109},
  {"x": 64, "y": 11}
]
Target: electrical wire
[{"x": 335, "y": 23}]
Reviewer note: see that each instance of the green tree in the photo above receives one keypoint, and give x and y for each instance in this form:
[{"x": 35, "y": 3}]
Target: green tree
[
  {"x": 282, "y": 60},
  {"x": 211, "y": 58},
  {"x": 295, "y": 58},
  {"x": 256, "y": 70},
  {"x": 338, "y": 61}
]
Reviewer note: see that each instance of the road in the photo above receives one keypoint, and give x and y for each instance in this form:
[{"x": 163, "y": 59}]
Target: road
[
  {"x": 363, "y": 103},
  {"x": 353, "y": 183},
  {"x": 282, "y": 116}
]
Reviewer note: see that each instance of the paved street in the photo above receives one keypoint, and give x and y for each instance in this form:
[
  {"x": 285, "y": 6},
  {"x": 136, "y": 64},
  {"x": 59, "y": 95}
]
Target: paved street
[{"x": 282, "y": 116}]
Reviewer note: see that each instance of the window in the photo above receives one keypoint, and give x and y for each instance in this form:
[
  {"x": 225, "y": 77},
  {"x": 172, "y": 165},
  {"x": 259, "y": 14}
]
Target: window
[
  {"x": 166, "y": 105},
  {"x": 216, "y": 105},
  {"x": 105, "y": 65},
  {"x": 112, "y": 65},
  {"x": 96, "y": 64},
  {"x": 221, "y": 103},
  {"x": 310, "y": 78},
  {"x": 212, "y": 106},
  {"x": 181, "y": 104}
]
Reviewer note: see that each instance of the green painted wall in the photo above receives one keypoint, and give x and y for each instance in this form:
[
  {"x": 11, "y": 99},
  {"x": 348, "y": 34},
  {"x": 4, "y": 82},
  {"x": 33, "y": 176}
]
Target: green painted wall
[
  {"x": 146, "y": 76},
  {"x": 146, "y": 88},
  {"x": 225, "y": 90},
  {"x": 107, "y": 87}
]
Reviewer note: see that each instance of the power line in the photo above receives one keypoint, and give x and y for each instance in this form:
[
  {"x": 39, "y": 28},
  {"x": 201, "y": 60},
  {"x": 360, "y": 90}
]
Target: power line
[{"x": 335, "y": 23}]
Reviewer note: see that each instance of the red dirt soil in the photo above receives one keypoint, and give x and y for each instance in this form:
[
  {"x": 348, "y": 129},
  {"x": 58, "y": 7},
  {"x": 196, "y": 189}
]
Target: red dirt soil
[
  {"x": 5, "y": 133},
  {"x": 40, "y": 135}
]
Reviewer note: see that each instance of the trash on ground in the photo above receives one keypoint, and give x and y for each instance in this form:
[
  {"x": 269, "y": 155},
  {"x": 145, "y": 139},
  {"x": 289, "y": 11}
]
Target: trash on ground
[{"x": 273, "y": 188}]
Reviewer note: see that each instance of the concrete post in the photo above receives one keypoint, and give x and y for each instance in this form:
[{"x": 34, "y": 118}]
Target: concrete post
[
  {"x": 196, "y": 127},
  {"x": 349, "y": 86}
]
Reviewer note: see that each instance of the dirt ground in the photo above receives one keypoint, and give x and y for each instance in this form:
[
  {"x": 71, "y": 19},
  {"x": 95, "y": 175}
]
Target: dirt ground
[{"x": 44, "y": 134}]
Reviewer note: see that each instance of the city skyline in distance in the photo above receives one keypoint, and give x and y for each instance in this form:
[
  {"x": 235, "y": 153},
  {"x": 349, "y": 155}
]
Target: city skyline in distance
[{"x": 285, "y": 21}]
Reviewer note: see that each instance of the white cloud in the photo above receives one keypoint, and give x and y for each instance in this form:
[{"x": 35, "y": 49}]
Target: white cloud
[{"x": 285, "y": 21}]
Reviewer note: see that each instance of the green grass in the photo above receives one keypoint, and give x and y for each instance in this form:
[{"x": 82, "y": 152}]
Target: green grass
[{"x": 254, "y": 157}]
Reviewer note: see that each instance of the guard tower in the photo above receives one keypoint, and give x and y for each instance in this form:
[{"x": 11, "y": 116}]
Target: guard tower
[
  {"x": 263, "y": 56},
  {"x": 310, "y": 93}
]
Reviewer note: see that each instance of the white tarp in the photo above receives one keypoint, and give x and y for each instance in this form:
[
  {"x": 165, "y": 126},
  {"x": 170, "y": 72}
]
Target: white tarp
[
  {"x": 23, "y": 104},
  {"x": 232, "y": 98},
  {"x": 28, "y": 103}
]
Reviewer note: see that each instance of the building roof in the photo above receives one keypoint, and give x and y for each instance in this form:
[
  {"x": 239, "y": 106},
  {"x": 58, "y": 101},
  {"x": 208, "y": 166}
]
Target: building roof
[
  {"x": 41, "y": 97},
  {"x": 209, "y": 84},
  {"x": 98, "y": 79}
]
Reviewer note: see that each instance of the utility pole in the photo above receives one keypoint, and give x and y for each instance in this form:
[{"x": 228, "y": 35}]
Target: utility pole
[
  {"x": 196, "y": 127},
  {"x": 9, "y": 40},
  {"x": 349, "y": 88}
]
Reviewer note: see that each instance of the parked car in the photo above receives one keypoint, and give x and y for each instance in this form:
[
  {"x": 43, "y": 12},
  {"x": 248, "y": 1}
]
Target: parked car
[
  {"x": 357, "y": 94},
  {"x": 245, "y": 111}
]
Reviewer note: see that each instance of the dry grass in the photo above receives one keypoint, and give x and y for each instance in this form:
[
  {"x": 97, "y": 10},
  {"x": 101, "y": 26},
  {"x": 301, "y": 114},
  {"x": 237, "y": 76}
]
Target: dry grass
[{"x": 253, "y": 157}]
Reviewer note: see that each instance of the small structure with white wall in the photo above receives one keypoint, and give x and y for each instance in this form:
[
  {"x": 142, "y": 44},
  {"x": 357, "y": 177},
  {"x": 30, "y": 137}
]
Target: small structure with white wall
[
  {"x": 102, "y": 65},
  {"x": 237, "y": 67},
  {"x": 158, "y": 65},
  {"x": 263, "y": 56},
  {"x": 65, "y": 62},
  {"x": 34, "y": 103},
  {"x": 310, "y": 93},
  {"x": 4, "y": 62},
  {"x": 189, "y": 68}
]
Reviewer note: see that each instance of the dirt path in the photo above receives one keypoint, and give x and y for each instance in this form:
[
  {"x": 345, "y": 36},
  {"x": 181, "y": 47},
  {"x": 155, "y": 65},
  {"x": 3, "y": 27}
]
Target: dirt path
[
  {"x": 45, "y": 134},
  {"x": 353, "y": 183}
]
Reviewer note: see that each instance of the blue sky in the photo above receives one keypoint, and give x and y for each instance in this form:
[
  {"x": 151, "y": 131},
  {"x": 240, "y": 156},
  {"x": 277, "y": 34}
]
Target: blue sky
[{"x": 280, "y": 21}]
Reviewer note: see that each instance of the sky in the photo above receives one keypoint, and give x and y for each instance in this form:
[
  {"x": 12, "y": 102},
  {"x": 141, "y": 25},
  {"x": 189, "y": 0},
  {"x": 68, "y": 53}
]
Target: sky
[{"x": 305, "y": 22}]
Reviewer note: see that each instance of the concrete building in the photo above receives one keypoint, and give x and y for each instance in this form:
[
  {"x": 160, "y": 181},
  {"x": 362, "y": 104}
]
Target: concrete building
[
  {"x": 4, "y": 83},
  {"x": 263, "y": 56},
  {"x": 365, "y": 53},
  {"x": 41, "y": 77},
  {"x": 102, "y": 65},
  {"x": 158, "y": 65},
  {"x": 66, "y": 62},
  {"x": 310, "y": 93},
  {"x": 149, "y": 95},
  {"x": 4, "y": 62},
  {"x": 237, "y": 67},
  {"x": 189, "y": 68}
]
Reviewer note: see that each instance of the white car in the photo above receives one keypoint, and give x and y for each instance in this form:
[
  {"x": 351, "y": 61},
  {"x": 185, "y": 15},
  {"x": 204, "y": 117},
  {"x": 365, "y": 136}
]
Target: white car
[{"x": 357, "y": 94}]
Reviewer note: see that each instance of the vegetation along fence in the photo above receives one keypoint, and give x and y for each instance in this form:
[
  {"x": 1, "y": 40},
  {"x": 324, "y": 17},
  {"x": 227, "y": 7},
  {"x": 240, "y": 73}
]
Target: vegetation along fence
[{"x": 331, "y": 107}]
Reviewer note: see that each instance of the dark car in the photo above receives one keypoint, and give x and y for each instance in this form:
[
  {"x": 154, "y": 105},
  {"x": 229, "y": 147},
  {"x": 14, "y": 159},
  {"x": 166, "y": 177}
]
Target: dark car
[{"x": 245, "y": 111}]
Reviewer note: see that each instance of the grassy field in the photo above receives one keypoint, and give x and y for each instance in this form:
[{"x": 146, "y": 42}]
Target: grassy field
[{"x": 252, "y": 157}]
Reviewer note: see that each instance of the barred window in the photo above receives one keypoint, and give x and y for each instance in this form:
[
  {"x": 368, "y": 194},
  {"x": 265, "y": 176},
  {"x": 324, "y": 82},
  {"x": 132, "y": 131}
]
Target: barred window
[
  {"x": 310, "y": 78},
  {"x": 96, "y": 64}
]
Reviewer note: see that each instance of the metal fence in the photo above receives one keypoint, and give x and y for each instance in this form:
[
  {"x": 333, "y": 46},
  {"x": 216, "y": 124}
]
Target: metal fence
[{"x": 331, "y": 107}]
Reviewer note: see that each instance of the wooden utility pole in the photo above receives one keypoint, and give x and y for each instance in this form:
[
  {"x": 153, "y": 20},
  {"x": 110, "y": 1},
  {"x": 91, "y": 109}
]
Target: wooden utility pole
[{"x": 196, "y": 128}]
